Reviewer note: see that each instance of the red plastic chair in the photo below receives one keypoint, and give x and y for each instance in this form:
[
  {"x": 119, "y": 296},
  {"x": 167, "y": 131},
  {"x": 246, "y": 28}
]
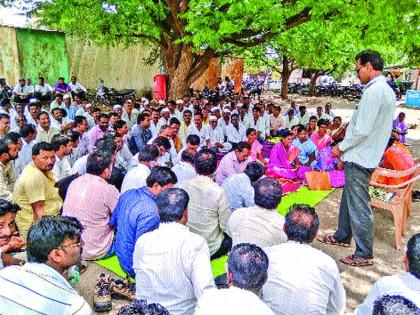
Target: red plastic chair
[{"x": 400, "y": 205}]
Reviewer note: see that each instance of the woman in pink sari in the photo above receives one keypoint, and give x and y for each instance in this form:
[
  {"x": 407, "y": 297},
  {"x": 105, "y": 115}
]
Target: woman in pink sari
[
  {"x": 320, "y": 138},
  {"x": 282, "y": 158},
  {"x": 256, "y": 146}
]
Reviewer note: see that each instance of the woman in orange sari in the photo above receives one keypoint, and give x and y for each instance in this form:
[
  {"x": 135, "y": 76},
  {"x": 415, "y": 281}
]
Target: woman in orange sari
[{"x": 396, "y": 157}]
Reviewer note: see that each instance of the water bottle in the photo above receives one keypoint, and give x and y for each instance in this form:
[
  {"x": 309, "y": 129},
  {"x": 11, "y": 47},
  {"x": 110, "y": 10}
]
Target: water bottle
[{"x": 74, "y": 274}]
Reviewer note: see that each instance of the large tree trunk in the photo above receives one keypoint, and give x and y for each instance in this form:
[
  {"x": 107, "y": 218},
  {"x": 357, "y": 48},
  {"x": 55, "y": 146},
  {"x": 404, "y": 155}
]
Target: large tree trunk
[
  {"x": 183, "y": 67},
  {"x": 286, "y": 71},
  {"x": 312, "y": 83}
]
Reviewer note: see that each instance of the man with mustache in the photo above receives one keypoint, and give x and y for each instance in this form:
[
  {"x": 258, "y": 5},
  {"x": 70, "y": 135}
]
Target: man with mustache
[
  {"x": 8, "y": 239},
  {"x": 34, "y": 190}
]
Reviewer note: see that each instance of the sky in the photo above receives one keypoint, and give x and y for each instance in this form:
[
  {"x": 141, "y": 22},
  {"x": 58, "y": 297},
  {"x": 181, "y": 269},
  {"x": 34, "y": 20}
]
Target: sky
[{"x": 11, "y": 17}]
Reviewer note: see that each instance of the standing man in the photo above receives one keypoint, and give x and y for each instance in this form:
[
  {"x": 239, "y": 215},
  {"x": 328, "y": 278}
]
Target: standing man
[{"x": 361, "y": 150}]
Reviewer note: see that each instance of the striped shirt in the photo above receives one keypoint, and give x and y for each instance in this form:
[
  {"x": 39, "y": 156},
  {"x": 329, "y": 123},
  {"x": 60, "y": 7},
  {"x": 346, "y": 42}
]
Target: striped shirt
[
  {"x": 38, "y": 289},
  {"x": 370, "y": 127}
]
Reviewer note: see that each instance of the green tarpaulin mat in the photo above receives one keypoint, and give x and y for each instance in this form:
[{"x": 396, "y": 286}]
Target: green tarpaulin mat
[
  {"x": 303, "y": 195},
  {"x": 112, "y": 264}
]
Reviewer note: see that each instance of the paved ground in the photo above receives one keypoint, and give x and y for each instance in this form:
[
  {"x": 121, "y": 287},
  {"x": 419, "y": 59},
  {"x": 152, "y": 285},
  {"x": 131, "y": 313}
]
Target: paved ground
[{"x": 357, "y": 281}]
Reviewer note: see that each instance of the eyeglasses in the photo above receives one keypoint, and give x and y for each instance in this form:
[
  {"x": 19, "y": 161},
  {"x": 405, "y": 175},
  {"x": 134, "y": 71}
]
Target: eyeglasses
[
  {"x": 80, "y": 244},
  {"x": 358, "y": 69}
]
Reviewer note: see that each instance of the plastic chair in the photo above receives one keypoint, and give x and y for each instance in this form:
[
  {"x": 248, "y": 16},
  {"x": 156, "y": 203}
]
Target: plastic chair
[{"x": 400, "y": 205}]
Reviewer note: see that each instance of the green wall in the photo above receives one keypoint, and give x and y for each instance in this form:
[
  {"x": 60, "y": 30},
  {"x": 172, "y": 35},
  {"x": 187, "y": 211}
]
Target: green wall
[{"x": 42, "y": 53}]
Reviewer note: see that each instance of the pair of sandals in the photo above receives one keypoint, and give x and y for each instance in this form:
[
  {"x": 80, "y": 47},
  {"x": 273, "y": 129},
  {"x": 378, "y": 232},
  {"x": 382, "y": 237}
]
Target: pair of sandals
[{"x": 349, "y": 260}]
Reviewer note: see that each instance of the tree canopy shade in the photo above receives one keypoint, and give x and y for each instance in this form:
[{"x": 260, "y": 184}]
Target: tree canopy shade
[
  {"x": 188, "y": 33},
  {"x": 329, "y": 45}
]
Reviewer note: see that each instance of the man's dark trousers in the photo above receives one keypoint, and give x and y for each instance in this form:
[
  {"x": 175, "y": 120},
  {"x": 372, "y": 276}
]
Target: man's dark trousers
[{"x": 355, "y": 218}]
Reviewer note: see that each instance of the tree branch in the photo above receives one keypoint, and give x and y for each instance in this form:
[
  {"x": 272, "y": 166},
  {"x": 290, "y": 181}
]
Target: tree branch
[
  {"x": 200, "y": 64},
  {"x": 293, "y": 21}
]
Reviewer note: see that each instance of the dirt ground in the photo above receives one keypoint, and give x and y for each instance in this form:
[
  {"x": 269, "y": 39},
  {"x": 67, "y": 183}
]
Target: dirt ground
[{"x": 357, "y": 281}]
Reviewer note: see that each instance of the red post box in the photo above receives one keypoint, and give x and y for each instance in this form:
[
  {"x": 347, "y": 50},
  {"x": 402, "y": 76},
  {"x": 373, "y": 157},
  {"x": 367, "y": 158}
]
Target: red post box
[{"x": 159, "y": 87}]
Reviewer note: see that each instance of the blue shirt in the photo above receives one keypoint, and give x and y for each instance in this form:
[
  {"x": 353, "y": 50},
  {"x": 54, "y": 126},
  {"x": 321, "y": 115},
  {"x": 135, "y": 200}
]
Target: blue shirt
[
  {"x": 239, "y": 191},
  {"x": 139, "y": 138},
  {"x": 135, "y": 214},
  {"x": 71, "y": 111}
]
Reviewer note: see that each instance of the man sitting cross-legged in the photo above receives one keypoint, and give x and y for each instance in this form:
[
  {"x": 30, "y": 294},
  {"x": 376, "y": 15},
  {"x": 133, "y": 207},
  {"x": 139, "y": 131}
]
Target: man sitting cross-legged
[
  {"x": 238, "y": 187},
  {"x": 246, "y": 274},
  {"x": 302, "y": 279},
  {"x": 260, "y": 224},
  {"x": 136, "y": 213},
  {"x": 92, "y": 200},
  {"x": 209, "y": 207},
  {"x": 38, "y": 287},
  {"x": 136, "y": 177},
  {"x": 172, "y": 264}
]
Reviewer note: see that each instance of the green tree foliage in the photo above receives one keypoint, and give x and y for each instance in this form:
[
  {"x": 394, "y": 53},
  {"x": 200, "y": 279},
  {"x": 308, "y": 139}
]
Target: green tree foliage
[
  {"x": 329, "y": 45},
  {"x": 189, "y": 33}
]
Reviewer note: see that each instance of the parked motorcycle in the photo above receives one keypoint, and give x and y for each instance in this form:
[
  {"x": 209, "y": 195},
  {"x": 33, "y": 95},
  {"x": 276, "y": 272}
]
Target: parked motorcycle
[{"x": 110, "y": 96}]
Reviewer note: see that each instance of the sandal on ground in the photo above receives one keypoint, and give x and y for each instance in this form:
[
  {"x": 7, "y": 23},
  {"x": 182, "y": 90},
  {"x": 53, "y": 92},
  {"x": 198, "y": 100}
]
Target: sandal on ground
[
  {"x": 356, "y": 261},
  {"x": 83, "y": 266},
  {"x": 330, "y": 240}
]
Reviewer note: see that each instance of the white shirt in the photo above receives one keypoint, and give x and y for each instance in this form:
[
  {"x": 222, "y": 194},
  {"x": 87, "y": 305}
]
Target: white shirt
[
  {"x": 184, "y": 171},
  {"x": 135, "y": 178},
  {"x": 223, "y": 125},
  {"x": 208, "y": 210},
  {"x": 38, "y": 289},
  {"x": 55, "y": 123},
  {"x": 259, "y": 126},
  {"x": 256, "y": 225},
  {"x": 25, "y": 156},
  {"x": 43, "y": 89},
  {"x": 22, "y": 89},
  {"x": 235, "y": 135},
  {"x": 154, "y": 129},
  {"x": 405, "y": 285},
  {"x": 232, "y": 301},
  {"x": 324, "y": 116},
  {"x": 203, "y": 133},
  {"x": 304, "y": 120},
  {"x": 162, "y": 121},
  {"x": 79, "y": 167},
  {"x": 172, "y": 267},
  {"x": 290, "y": 123},
  {"x": 77, "y": 87},
  {"x": 302, "y": 280},
  {"x": 61, "y": 168},
  {"x": 216, "y": 135}
]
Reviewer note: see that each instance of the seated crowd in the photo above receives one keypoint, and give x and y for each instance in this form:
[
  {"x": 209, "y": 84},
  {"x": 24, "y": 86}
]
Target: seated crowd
[{"x": 167, "y": 187}]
